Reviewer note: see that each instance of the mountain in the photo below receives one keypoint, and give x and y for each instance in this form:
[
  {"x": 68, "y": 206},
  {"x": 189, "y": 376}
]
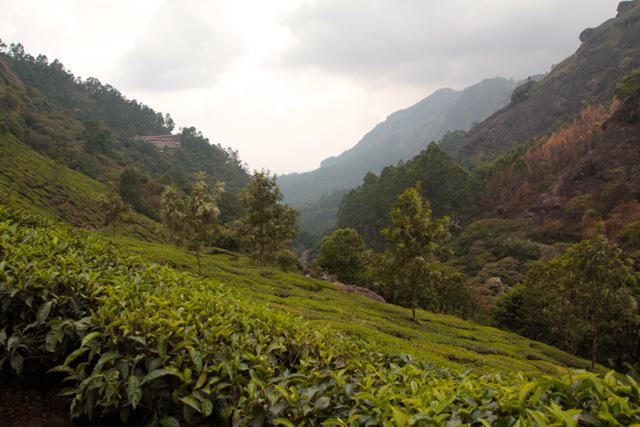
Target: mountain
[
  {"x": 450, "y": 188},
  {"x": 566, "y": 146},
  {"x": 93, "y": 129},
  {"x": 588, "y": 77},
  {"x": 401, "y": 136},
  {"x": 585, "y": 173}
]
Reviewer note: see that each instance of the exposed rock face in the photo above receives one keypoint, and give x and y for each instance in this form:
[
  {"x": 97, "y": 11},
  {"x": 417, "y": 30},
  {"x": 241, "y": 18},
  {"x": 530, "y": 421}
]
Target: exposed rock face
[
  {"x": 628, "y": 113},
  {"x": 522, "y": 92},
  {"x": 623, "y": 6},
  {"x": 588, "y": 77},
  {"x": 606, "y": 171},
  {"x": 367, "y": 293},
  {"x": 585, "y": 34}
]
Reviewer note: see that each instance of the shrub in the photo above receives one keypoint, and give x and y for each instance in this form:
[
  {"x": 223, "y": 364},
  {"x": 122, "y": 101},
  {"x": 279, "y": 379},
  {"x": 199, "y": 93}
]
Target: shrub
[
  {"x": 629, "y": 85},
  {"x": 288, "y": 261},
  {"x": 157, "y": 347}
]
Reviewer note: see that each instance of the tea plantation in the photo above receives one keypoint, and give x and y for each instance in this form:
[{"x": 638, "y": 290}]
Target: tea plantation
[{"x": 155, "y": 346}]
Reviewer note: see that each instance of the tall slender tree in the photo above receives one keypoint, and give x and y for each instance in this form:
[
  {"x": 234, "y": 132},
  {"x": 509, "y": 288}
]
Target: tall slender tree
[
  {"x": 192, "y": 218},
  {"x": 112, "y": 208},
  {"x": 415, "y": 240},
  {"x": 267, "y": 225}
]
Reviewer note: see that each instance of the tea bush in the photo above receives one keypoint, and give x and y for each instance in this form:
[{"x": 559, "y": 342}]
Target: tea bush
[{"x": 158, "y": 347}]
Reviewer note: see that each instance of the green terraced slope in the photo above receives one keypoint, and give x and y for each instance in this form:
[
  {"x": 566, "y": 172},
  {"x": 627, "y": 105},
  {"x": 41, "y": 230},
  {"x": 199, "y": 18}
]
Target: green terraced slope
[
  {"x": 445, "y": 340},
  {"x": 37, "y": 183}
]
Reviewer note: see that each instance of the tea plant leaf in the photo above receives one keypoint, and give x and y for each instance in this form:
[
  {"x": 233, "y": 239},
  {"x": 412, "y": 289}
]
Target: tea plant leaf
[
  {"x": 43, "y": 312},
  {"x": 169, "y": 422},
  {"x": 73, "y": 356},
  {"x": 154, "y": 375},
  {"x": 134, "y": 391},
  {"x": 90, "y": 337},
  {"x": 191, "y": 401}
]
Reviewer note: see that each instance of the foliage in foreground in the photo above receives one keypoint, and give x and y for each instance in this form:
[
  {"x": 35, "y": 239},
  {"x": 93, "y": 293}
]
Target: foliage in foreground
[
  {"x": 585, "y": 301},
  {"x": 160, "y": 347}
]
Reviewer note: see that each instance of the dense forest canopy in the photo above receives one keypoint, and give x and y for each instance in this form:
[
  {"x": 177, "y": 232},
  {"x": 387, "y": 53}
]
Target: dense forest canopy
[
  {"x": 450, "y": 188},
  {"x": 91, "y": 126}
]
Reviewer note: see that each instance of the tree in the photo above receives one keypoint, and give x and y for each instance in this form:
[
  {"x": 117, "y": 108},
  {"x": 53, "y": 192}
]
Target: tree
[
  {"x": 288, "y": 261},
  {"x": 16, "y": 51},
  {"x": 581, "y": 300},
  {"x": 192, "y": 218},
  {"x": 415, "y": 240},
  {"x": 267, "y": 225},
  {"x": 341, "y": 254},
  {"x": 169, "y": 123},
  {"x": 112, "y": 209},
  {"x": 98, "y": 138}
]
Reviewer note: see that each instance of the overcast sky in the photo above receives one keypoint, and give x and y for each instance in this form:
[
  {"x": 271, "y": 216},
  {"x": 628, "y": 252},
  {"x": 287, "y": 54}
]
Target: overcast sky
[{"x": 289, "y": 83}]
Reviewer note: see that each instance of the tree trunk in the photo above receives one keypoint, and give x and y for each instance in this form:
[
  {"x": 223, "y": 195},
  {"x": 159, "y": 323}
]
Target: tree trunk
[
  {"x": 261, "y": 253},
  {"x": 594, "y": 351},
  {"x": 413, "y": 302}
]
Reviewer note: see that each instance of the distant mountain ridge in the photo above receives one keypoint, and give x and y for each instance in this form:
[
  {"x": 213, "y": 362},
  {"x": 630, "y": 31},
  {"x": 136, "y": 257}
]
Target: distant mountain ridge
[
  {"x": 564, "y": 154},
  {"x": 401, "y": 136},
  {"x": 588, "y": 77}
]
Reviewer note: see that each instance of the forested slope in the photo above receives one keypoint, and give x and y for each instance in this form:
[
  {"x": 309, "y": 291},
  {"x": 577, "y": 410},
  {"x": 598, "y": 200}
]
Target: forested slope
[
  {"x": 451, "y": 189},
  {"x": 90, "y": 127},
  {"x": 401, "y": 136},
  {"x": 588, "y": 77}
]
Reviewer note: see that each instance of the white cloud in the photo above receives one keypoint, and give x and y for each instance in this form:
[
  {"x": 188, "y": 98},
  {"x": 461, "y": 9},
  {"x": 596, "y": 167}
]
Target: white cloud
[
  {"x": 290, "y": 82},
  {"x": 181, "y": 48},
  {"x": 427, "y": 41}
]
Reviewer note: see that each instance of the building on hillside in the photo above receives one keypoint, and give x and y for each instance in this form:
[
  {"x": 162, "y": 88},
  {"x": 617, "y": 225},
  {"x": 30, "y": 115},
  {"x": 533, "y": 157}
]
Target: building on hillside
[{"x": 164, "y": 143}]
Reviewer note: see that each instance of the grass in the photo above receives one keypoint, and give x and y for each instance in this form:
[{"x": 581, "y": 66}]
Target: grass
[
  {"x": 153, "y": 346},
  {"x": 32, "y": 181},
  {"x": 39, "y": 184},
  {"x": 445, "y": 340}
]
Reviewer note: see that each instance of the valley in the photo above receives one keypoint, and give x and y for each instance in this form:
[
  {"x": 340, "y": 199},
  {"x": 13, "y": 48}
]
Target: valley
[{"x": 473, "y": 260}]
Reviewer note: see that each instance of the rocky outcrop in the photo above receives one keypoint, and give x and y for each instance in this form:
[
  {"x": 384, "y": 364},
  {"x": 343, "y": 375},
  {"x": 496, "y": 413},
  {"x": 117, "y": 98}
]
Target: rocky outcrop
[
  {"x": 367, "y": 293},
  {"x": 584, "y": 35},
  {"x": 588, "y": 77},
  {"x": 521, "y": 92},
  {"x": 623, "y": 6},
  {"x": 629, "y": 112}
]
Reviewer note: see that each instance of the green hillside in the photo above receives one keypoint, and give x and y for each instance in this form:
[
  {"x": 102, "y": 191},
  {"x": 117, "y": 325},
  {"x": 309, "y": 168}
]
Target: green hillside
[
  {"x": 146, "y": 344},
  {"x": 40, "y": 184},
  {"x": 444, "y": 340},
  {"x": 91, "y": 127}
]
